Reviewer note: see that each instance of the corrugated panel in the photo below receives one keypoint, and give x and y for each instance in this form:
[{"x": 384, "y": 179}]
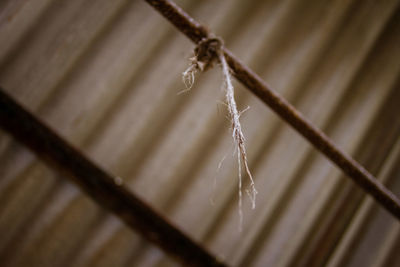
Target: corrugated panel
[{"x": 105, "y": 75}]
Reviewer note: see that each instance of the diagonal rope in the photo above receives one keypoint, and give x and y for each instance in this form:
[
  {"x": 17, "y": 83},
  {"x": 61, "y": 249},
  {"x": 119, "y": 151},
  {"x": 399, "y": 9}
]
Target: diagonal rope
[
  {"x": 106, "y": 190},
  {"x": 196, "y": 32}
]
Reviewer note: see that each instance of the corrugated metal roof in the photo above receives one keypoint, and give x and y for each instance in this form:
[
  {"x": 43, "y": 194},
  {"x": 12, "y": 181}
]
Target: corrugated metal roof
[{"x": 105, "y": 75}]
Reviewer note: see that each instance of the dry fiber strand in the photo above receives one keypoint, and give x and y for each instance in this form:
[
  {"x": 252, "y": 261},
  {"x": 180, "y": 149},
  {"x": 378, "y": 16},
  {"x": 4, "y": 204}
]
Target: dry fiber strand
[{"x": 207, "y": 51}]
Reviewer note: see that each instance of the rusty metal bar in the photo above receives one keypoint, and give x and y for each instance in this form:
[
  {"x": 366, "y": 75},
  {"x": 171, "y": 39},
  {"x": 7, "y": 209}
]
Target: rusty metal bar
[
  {"x": 99, "y": 185},
  {"x": 196, "y": 32}
]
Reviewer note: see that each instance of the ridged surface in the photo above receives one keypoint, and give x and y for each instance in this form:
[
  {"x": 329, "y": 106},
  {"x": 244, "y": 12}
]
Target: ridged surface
[{"x": 105, "y": 75}]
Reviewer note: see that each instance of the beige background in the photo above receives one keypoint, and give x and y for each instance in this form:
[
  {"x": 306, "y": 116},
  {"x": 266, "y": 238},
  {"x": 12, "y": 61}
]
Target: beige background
[{"x": 105, "y": 75}]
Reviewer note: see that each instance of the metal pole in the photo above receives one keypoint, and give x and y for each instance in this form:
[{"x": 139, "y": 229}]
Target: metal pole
[
  {"x": 196, "y": 32},
  {"x": 105, "y": 189}
]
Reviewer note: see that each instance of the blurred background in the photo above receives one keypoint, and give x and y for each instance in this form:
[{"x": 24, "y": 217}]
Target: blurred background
[{"x": 105, "y": 75}]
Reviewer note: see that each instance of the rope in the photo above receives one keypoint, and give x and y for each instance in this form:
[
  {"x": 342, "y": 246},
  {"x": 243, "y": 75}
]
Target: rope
[
  {"x": 106, "y": 190},
  {"x": 207, "y": 52},
  {"x": 196, "y": 32}
]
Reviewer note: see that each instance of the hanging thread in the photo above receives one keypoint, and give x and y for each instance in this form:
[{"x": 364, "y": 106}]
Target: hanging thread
[{"x": 206, "y": 53}]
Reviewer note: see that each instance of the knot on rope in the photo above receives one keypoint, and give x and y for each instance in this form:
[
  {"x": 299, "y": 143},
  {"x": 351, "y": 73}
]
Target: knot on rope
[{"x": 206, "y": 53}]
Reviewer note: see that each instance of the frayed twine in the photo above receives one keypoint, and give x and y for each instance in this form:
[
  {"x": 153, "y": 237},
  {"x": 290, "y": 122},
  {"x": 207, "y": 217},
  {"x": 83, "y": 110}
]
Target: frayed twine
[{"x": 206, "y": 53}]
